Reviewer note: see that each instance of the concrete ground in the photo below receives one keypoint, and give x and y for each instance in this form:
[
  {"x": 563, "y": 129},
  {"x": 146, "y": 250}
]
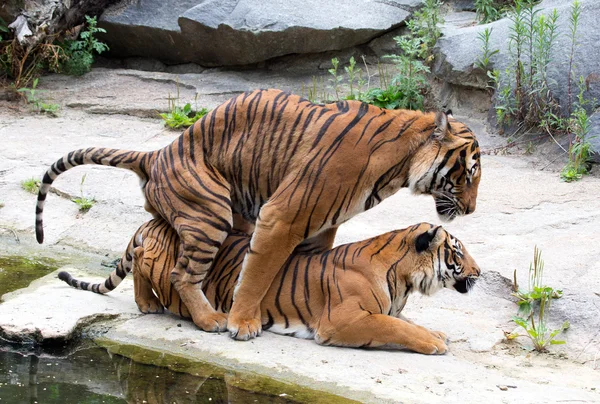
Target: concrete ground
[{"x": 519, "y": 206}]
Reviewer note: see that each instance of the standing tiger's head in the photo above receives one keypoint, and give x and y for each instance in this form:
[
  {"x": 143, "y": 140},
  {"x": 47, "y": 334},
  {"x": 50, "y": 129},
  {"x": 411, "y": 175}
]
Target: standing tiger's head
[
  {"x": 441, "y": 261},
  {"x": 447, "y": 167}
]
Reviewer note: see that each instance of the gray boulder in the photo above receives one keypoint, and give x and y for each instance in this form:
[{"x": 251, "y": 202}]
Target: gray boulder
[
  {"x": 240, "y": 32},
  {"x": 458, "y": 50}
]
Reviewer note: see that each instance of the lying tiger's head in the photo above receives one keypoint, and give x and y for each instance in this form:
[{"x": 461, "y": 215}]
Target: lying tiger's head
[
  {"x": 447, "y": 166},
  {"x": 441, "y": 261}
]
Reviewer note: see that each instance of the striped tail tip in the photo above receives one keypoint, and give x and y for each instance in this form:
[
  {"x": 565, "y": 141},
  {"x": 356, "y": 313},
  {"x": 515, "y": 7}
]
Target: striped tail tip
[
  {"x": 39, "y": 235},
  {"x": 64, "y": 276}
]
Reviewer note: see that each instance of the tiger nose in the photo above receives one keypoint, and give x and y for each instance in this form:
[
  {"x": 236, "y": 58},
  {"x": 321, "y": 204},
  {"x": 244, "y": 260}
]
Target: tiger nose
[{"x": 470, "y": 208}]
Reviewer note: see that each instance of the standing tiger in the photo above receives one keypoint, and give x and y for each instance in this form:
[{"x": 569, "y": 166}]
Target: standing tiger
[
  {"x": 297, "y": 170},
  {"x": 351, "y": 295}
]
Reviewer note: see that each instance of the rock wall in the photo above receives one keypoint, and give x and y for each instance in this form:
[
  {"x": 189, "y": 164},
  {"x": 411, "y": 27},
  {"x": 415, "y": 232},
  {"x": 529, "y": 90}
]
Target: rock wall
[
  {"x": 241, "y": 32},
  {"x": 459, "y": 48}
]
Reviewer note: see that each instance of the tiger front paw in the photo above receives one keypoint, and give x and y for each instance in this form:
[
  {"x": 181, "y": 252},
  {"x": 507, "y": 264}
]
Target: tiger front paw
[
  {"x": 212, "y": 322},
  {"x": 243, "y": 328},
  {"x": 432, "y": 346},
  {"x": 440, "y": 335},
  {"x": 150, "y": 306}
]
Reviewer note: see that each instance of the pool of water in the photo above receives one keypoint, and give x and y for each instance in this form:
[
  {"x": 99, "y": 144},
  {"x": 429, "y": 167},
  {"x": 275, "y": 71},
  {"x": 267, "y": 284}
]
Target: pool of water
[
  {"x": 93, "y": 375},
  {"x": 17, "y": 272},
  {"x": 113, "y": 373}
]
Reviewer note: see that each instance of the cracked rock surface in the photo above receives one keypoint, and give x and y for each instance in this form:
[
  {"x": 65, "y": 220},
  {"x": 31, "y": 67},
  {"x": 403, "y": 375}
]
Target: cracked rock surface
[
  {"x": 519, "y": 206},
  {"x": 240, "y": 32}
]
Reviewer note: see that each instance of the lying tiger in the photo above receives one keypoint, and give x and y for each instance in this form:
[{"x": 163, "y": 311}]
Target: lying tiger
[{"x": 350, "y": 296}]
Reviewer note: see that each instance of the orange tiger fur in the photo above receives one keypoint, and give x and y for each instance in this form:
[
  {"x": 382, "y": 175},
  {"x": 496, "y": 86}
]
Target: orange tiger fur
[
  {"x": 351, "y": 295},
  {"x": 297, "y": 170}
]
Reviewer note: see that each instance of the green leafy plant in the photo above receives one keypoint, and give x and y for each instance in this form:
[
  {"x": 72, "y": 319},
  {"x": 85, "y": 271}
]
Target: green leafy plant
[
  {"x": 38, "y": 105},
  {"x": 580, "y": 148},
  {"x": 353, "y": 75},
  {"x": 315, "y": 92},
  {"x": 80, "y": 53},
  {"x": 31, "y": 185},
  {"x": 388, "y": 98},
  {"x": 487, "y": 10},
  {"x": 535, "y": 289},
  {"x": 411, "y": 80},
  {"x": 3, "y": 28},
  {"x": 336, "y": 78},
  {"x": 486, "y": 53},
  {"x": 182, "y": 117},
  {"x": 83, "y": 202},
  {"x": 525, "y": 87},
  {"x": 537, "y": 295},
  {"x": 425, "y": 25},
  {"x": 573, "y": 24}
]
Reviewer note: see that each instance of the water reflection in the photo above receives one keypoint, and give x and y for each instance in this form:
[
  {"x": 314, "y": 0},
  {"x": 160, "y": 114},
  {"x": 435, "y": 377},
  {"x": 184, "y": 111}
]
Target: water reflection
[{"x": 96, "y": 376}]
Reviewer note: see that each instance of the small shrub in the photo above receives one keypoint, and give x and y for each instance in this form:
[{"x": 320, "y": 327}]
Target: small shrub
[
  {"x": 337, "y": 78},
  {"x": 580, "y": 148},
  {"x": 315, "y": 92},
  {"x": 80, "y": 53},
  {"x": 524, "y": 87},
  {"x": 31, "y": 185},
  {"x": 354, "y": 75},
  {"x": 38, "y": 105},
  {"x": 3, "y": 28},
  {"x": 486, "y": 53},
  {"x": 411, "y": 80},
  {"x": 425, "y": 25},
  {"x": 83, "y": 202},
  {"x": 538, "y": 295},
  {"x": 527, "y": 298},
  {"x": 487, "y": 11},
  {"x": 181, "y": 117}
]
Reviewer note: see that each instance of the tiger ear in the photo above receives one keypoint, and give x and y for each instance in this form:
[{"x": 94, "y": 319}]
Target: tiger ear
[
  {"x": 441, "y": 125},
  {"x": 429, "y": 239}
]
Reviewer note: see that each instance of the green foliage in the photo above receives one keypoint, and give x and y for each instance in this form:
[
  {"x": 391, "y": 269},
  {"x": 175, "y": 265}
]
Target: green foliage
[
  {"x": 407, "y": 89},
  {"x": 181, "y": 117},
  {"x": 31, "y": 185},
  {"x": 486, "y": 53},
  {"x": 425, "y": 26},
  {"x": 83, "y": 202},
  {"x": 525, "y": 87},
  {"x": 487, "y": 10},
  {"x": 573, "y": 23},
  {"x": 535, "y": 290},
  {"x": 354, "y": 74},
  {"x": 80, "y": 53},
  {"x": 3, "y": 28},
  {"x": 337, "y": 78},
  {"x": 537, "y": 295},
  {"x": 38, "y": 105},
  {"x": 315, "y": 91},
  {"x": 580, "y": 148},
  {"x": 411, "y": 80}
]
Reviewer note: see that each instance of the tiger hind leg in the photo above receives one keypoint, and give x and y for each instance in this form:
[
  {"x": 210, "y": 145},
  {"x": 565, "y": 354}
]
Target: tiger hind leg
[
  {"x": 145, "y": 298},
  {"x": 197, "y": 203}
]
